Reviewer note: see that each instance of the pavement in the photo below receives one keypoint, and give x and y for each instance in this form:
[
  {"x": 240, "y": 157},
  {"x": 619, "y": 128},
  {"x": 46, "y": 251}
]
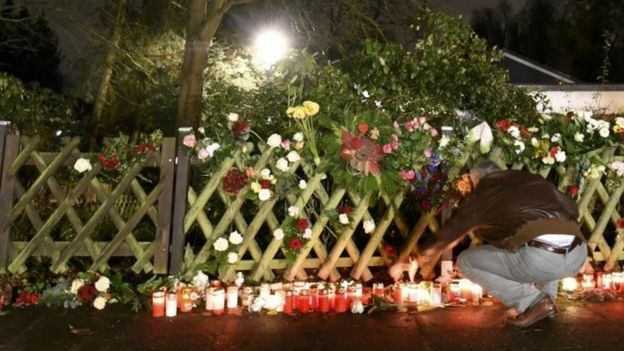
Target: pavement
[{"x": 578, "y": 326}]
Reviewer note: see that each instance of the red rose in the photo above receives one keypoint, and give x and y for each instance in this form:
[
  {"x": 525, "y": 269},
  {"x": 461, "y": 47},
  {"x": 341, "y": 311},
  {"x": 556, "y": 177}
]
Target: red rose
[
  {"x": 345, "y": 209},
  {"x": 568, "y": 117},
  {"x": 504, "y": 124},
  {"x": 295, "y": 244},
  {"x": 240, "y": 128},
  {"x": 620, "y": 223},
  {"x": 426, "y": 204},
  {"x": 34, "y": 299},
  {"x": 525, "y": 132},
  {"x": 390, "y": 250},
  {"x": 19, "y": 300},
  {"x": 108, "y": 162},
  {"x": 234, "y": 181},
  {"x": 145, "y": 147},
  {"x": 573, "y": 190},
  {"x": 362, "y": 127},
  {"x": 553, "y": 151},
  {"x": 265, "y": 184},
  {"x": 87, "y": 292},
  {"x": 301, "y": 224}
]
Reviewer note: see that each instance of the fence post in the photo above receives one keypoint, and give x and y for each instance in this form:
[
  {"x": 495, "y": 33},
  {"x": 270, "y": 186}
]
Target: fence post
[
  {"x": 165, "y": 205},
  {"x": 179, "y": 203},
  {"x": 10, "y": 148},
  {"x": 4, "y": 126}
]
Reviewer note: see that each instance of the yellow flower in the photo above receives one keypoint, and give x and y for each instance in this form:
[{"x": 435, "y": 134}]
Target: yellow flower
[
  {"x": 290, "y": 111},
  {"x": 299, "y": 145},
  {"x": 255, "y": 187},
  {"x": 311, "y": 108},
  {"x": 617, "y": 129},
  {"x": 299, "y": 112}
]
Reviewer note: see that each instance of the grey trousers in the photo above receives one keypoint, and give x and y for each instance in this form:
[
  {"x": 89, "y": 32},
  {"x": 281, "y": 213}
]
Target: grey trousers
[{"x": 519, "y": 278}]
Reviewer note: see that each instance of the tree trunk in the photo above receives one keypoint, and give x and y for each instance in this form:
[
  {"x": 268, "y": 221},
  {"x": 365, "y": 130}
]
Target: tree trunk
[
  {"x": 202, "y": 26},
  {"x": 107, "y": 71}
]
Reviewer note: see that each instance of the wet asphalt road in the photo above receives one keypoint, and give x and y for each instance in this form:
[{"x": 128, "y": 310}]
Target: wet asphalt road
[{"x": 579, "y": 326}]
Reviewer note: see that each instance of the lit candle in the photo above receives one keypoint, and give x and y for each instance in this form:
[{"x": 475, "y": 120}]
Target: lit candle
[
  {"x": 172, "y": 305},
  {"x": 607, "y": 281},
  {"x": 232, "y": 297},
  {"x": 281, "y": 296},
  {"x": 436, "y": 294},
  {"x": 210, "y": 298},
  {"x": 569, "y": 284},
  {"x": 298, "y": 286},
  {"x": 314, "y": 298},
  {"x": 378, "y": 289},
  {"x": 246, "y": 296},
  {"x": 265, "y": 291},
  {"x": 323, "y": 301},
  {"x": 599, "y": 279},
  {"x": 185, "y": 304},
  {"x": 358, "y": 292},
  {"x": 341, "y": 301},
  {"x": 455, "y": 290},
  {"x": 465, "y": 287},
  {"x": 412, "y": 293},
  {"x": 158, "y": 304},
  {"x": 446, "y": 269},
  {"x": 477, "y": 293},
  {"x": 331, "y": 296},
  {"x": 219, "y": 301},
  {"x": 289, "y": 302},
  {"x": 423, "y": 294},
  {"x": 618, "y": 279},
  {"x": 303, "y": 302},
  {"x": 588, "y": 282}
]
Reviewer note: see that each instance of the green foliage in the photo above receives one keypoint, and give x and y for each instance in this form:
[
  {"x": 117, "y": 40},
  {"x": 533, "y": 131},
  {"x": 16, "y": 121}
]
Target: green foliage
[{"x": 35, "y": 110}]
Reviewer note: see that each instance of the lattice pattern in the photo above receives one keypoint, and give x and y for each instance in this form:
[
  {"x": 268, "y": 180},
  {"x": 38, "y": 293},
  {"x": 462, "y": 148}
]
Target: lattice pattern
[{"x": 60, "y": 200}]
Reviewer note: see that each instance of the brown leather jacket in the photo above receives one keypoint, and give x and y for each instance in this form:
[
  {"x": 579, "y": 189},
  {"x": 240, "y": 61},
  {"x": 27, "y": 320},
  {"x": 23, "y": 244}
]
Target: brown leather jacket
[{"x": 507, "y": 209}]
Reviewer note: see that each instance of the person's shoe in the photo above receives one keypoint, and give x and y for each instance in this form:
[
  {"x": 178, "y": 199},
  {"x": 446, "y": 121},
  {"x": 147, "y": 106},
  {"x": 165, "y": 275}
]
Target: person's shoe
[{"x": 544, "y": 308}]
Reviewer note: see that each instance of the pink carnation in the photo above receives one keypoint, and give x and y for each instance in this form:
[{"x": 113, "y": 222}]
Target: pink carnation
[
  {"x": 427, "y": 153},
  {"x": 408, "y": 175},
  {"x": 387, "y": 149},
  {"x": 189, "y": 140},
  {"x": 285, "y": 144}
]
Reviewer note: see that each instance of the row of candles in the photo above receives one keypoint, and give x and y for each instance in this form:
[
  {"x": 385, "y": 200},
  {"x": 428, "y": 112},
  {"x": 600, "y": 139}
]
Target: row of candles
[
  {"x": 613, "y": 282},
  {"x": 305, "y": 297}
]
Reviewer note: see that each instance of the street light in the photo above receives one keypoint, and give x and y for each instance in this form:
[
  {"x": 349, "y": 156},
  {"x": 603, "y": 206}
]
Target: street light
[{"x": 270, "y": 46}]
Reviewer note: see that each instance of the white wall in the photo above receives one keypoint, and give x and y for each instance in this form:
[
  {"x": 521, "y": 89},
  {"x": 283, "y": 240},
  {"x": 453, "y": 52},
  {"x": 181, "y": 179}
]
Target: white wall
[{"x": 562, "y": 101}]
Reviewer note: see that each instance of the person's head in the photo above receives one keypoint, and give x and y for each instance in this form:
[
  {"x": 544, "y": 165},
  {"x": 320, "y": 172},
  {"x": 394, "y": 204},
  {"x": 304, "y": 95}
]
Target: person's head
[{"x": 481, "y": 169}]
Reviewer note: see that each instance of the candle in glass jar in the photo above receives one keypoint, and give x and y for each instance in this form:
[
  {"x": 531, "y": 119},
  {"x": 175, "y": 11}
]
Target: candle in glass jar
[
  {"x": 618, "y": 279},
  {"x": 323, "y": 301},
  {"x": 171, "y": 305},
  {"x": 219, "y": 302},
  {"x": 569, "y": 284},
  {"x": 232, "y": 297},
  {"x": 423, "y": 296},
  {"x": 588, "y": 282},
  {"x": 341, "y": 301},
  {"x": 314, "y": 298},
  {"x": 185, "y": 304},
  {"x": 246, "y": 296},
  {"x": 378, "y": 289},
  {"x": 331, "y": 297},
  {"x": 265, "y": 291},
  {"x": 158, "y": 304},
  {"x": 303, "y": 301},
  {"x": 210, "y": 298},
  {"x": 477, "y": 293},
  {"x": 289, "y": 302},
  {"x": 607, "y": 281},
  {"x": 412, "y": 293},
  {"x": 358, "y": 292},
  {"x": 281, "y": 297},
  {"x": 436, "y": 294},
  {"x": 455, "y": 290}
]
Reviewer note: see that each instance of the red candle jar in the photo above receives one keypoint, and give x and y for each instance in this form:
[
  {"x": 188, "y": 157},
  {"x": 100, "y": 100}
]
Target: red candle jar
[
  {"x": 331, "y": 296},
  {"x": 303, "y": 302},
  {"x": 289, "y": 302},
  {"x": 341, "y": 301},
  {"x": 314, "y": 298},
  {"x": 323, "y": 301},
  {"x": 158, "y": 304},
  {"x": 378, "y": 289},
  {"x": 185, "y": 304}
]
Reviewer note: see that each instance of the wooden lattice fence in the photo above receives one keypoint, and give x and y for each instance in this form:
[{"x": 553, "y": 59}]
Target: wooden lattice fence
[
  {"x": 179, "y": 212},
  {"x": 52, "y": 211}
]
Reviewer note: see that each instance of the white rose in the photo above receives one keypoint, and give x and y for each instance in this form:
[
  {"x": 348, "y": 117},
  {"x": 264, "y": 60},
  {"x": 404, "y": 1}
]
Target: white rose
[
  {"x": 357, "y": 307},
  {"x": 579, "y": 137},
  {"x": 555, "y": 138},
  {"x": 265, "y": 173},
  {"x": 444, "y": 140},
  {"x": 274, "y": 140},
  {"x": 514, "y": 132},
  {"x": 548, "y": 160},
  {"x": 99, "y": 303},
  {"x": 560, "y": 156},
  {"x": 369, "y": 226},
  {"x": 82, "y": 165},
  {"x": 307, "y": 234},
  {"x": 201, "y": 130},
  {"x": 264, "y": 194},
  {"x": 343, "y": 218},
  {"x": 220, "y": 244},
  {"x": 76, "y": 285},
  {"x": 298, "y": 137},
  {"x": 366, "y": 94},
  {"x": 604, "y": 132},
  {"x": 546, "y": 136},
  {"x": 278, "y": 234},
  {"x": 535, "y": 142},
  {"x": 533, "y": 129},
  {"x": 203, "y": 154},
  {"x": 102, "y": 284},
  {"x": 232, "y": 257},
  {"x": 620, "y": 121},
  {"x": 212, "y": 148},
  {"x": 200, "y": 280},
  {"x": 232, "y": 117},
  {"x": 282, "y": 164},
  {"x": 235, "y": 238},
  {"x": 293, "y": 156},
  {"x": 519, "y": 146},
  {"x": 293, "y": 211},
  {"x": 303, "y": 184}
]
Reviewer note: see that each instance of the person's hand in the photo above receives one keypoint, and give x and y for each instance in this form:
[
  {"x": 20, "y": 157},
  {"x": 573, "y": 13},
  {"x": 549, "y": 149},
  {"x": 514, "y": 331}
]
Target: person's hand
[{"x": 396, "y": 270}]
